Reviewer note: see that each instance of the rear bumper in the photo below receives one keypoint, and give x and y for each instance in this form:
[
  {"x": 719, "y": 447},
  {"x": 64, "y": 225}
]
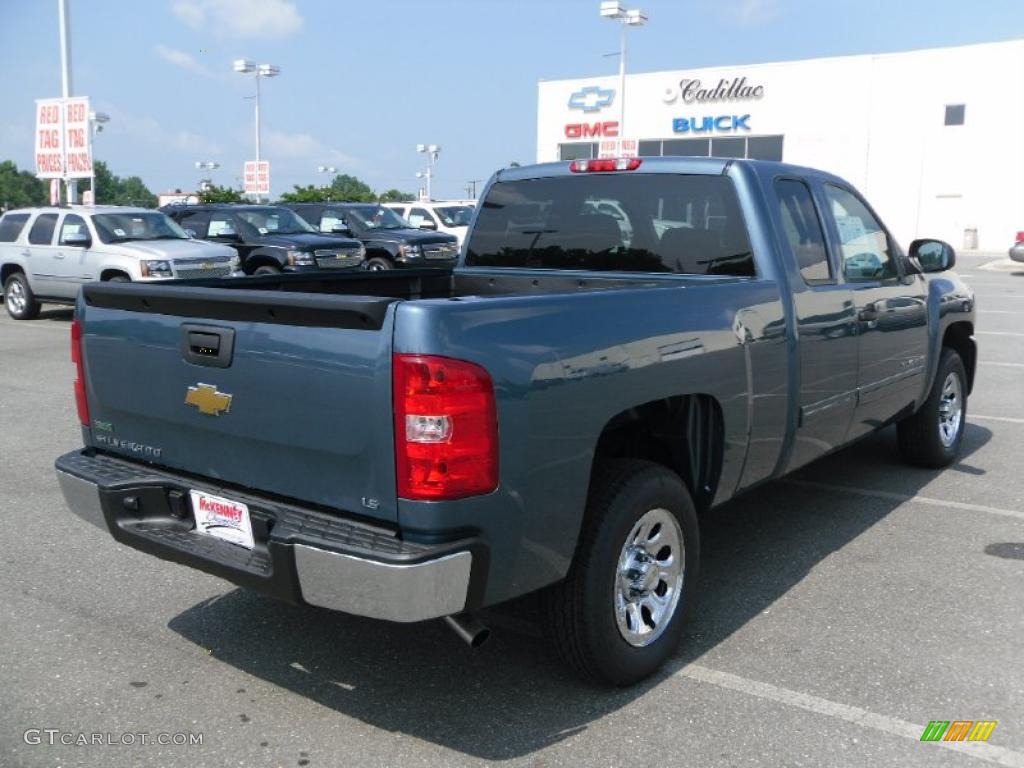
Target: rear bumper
[{"x": 301, "y": 555}]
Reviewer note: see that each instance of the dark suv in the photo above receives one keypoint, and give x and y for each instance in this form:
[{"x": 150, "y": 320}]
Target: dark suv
[
  {"x": 389, "y": 239},
  {"x": 268, "y": 238}
]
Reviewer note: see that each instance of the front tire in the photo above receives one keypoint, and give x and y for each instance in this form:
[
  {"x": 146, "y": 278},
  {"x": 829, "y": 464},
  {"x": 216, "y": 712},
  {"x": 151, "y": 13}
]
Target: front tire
[
  {"x": 932, "y": 436},
  {"x": 267, "y": 269},
  {"x": 18, "y": 298},
  {"x": 620, "y": 612},
  {"x": 379, "y": 264}
]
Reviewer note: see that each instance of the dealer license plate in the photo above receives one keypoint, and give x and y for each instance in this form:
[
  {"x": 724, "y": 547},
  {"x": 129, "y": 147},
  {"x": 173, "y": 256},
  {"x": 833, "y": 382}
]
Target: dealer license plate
[{"x": 222, "y": 518}]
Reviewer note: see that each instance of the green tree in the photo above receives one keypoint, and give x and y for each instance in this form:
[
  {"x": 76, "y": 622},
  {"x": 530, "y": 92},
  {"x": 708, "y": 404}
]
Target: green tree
[
  {"x": 396, "y": 196},
  {"x": 113, "y": 190},
  {"x": 215, "y": 194},
  {"x": 307, "y": 194},
  {"x": 20, "y": 188},
  {"x": 350, "y": 189}
]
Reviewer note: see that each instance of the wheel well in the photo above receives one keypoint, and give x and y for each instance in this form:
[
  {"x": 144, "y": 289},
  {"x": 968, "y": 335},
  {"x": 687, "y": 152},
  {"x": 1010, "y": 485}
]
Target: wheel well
[
  {"x": 683, "y": 433},
  {"x": 380, "y": 253},
  {"x": 107, "y": 274},
  {"x": 6, "y": 271},
  {"x": 258, "y": 260},
  {"x": 958, "y": 337}
]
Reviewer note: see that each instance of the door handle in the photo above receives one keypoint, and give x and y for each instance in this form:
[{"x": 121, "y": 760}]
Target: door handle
[
  {"x": 207, "y": 345},
  {"x": 26, "y": 252},
  {"x": 58, "y": 255}
]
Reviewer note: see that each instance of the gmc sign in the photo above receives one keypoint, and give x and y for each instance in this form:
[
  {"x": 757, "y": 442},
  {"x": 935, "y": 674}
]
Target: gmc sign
[{"x": 609, "y": 129}]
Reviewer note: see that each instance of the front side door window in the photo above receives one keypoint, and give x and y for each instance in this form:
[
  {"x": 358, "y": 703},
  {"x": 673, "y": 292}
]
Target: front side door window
[{"x": 867, "y": 253}]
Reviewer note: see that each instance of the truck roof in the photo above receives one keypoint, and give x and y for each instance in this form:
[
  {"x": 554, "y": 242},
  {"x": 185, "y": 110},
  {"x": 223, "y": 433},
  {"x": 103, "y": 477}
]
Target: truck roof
[{"x": 706, "y": 166}]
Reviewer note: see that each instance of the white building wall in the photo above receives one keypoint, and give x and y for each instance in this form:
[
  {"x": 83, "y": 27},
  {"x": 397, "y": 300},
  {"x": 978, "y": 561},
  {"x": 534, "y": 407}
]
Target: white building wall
[{"x": 877, "y": 121}]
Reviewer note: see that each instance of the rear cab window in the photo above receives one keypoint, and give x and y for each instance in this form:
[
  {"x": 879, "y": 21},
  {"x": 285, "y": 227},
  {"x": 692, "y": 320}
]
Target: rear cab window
[
  {"x": 11, "y": 225},
  {"x": 42, "y": 229},
  {"x": 668, "y": 223},
  {"x": 802, "y": 227}
]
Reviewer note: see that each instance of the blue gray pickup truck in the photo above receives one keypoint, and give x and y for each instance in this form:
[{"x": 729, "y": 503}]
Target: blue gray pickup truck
[{"x": 625, "y": 345}]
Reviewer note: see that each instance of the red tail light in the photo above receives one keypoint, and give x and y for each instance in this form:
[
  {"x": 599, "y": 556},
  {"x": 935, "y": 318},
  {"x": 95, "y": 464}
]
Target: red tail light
[
  {"x": 605, "y": 164},
  {"x": 446, "y": 428},
  {"x": 76, "y": 358},
  {"x": 1020, "y": 236}
]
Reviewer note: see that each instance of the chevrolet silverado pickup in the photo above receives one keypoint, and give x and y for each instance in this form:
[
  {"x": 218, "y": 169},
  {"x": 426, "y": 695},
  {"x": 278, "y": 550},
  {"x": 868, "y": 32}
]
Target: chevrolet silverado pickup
[{"x": 554, "y": 415}]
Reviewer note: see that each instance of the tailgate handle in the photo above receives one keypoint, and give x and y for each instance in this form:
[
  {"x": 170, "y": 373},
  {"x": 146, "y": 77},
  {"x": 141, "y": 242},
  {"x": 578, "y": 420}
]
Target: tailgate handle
[{"x": 207, "y": 345}]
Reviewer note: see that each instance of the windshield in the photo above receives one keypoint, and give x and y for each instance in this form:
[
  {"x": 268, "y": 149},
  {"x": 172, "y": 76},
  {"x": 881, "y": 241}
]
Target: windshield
[
  {"x": 375, "y": 217},
  {"x": 455, "y": 215},
  {"x": 122, "y": 227},
  {"x": 614, "y": 222},
  {"x": 274, "y": 221}
]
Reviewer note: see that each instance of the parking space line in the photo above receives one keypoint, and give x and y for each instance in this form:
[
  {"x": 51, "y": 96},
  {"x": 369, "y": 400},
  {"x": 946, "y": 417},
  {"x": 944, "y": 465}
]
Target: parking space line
[
  {"x": 1004, "y": 365},
  {"x": 997, "y": 333},
  {"x": 999, "y": 312},
  {"x": 851, "y": 714},
  {"x": 1007, "y": 419},
  {"x": 904, "y": 498}
]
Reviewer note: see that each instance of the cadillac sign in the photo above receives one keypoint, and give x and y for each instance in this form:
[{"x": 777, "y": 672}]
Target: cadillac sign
[{"x": 696, "y": 92}]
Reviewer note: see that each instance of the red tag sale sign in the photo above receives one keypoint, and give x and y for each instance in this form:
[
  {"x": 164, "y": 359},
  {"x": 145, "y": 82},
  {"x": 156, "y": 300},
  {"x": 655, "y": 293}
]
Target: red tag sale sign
[{"x": 50, "y": 138}]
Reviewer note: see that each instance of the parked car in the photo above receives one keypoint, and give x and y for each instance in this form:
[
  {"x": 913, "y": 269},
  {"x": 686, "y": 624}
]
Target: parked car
[
  {"x": 389, "y": 240},
  {"x": 1017, "y": 250},
  {"x": 552, "y": 415},
  {"x": 269, "y": 239},
  {"x": 452, "y": 218},
  {"x": 47, "y": 254}
]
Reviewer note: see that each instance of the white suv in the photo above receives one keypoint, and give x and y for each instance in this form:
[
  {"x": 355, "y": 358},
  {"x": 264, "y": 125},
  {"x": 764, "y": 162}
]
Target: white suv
[
  {"x": 437, "y": 215},
  {"x": 47, "y": 253}
]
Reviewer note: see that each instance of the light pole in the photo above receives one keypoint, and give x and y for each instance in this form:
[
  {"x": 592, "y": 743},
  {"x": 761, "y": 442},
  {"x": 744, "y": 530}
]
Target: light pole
[
  {"x": 613, "y": 9},
  {"x": 96, "y": 122},
  {"x": 64, "y": 18},
  {"x": 432, "y": 151},
  {"x": 207, "y": 165},
  {"x": 327, "y": 169},
  {"x": 244, "y": 67}
]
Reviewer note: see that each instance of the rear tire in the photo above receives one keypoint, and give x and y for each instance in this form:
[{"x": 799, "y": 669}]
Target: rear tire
[
  {"x": 18, "y": 298},
  {"x": 620, "y": 612},
  {"x": 932, "y": 436}
]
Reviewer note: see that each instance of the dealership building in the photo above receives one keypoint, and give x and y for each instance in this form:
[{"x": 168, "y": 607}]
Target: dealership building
[{"x": 934, "y": 138}]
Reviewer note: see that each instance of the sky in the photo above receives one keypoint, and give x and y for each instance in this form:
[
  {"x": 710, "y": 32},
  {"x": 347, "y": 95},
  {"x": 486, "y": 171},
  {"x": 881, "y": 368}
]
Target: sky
[{"x": 362, "y": 83}]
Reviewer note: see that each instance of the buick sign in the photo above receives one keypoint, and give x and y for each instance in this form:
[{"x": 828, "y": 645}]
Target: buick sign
[{"x": 723, "y": 123}]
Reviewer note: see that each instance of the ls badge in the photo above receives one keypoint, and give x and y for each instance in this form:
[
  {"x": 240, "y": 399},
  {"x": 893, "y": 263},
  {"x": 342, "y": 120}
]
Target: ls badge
[{"x": 208, "y": 400}]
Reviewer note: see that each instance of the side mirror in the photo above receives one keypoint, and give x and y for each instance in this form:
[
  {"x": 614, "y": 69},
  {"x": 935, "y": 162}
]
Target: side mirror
[
  {"x": 933, "y": 255},
  {"x": 191, "y": 233},
  {"x": 228, "y": 237},
  {"x": 341, "y": 230},
  {"x": 427, "y": 224},
  {"x": 76, "y": 239}
]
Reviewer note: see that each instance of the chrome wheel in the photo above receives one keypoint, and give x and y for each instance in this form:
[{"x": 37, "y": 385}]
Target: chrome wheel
[
  {"x": 15, "y": 297},
  {"x": 951, "y": 407},
  {"x": 649, "y": 580}
]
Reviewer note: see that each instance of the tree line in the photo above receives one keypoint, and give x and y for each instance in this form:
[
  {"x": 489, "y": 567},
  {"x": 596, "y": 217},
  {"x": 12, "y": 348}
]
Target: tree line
[{"x": 20, "y": 188}]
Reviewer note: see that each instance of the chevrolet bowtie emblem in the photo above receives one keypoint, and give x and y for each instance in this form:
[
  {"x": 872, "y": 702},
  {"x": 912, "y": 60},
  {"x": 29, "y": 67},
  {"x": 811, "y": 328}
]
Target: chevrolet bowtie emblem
[{"x": 208, "y": 400}]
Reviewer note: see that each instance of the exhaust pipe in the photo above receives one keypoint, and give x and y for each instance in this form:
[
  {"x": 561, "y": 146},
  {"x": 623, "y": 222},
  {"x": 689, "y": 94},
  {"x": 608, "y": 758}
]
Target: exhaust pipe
[{"x": 467, "y": 627}]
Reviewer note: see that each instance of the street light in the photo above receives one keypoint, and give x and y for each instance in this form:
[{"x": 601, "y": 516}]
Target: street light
[
  {"x": 432, "y": 151},
  {"x": 208, "y": 165},
  {"x": 96, "y": 122},
  {"x": 244, "y": 67},
  {"x": 613, "y": 9}
]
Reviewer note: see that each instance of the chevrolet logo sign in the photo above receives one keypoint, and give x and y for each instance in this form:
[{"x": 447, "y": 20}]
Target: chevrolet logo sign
[
  {"x": 208, "y": 400},
  {"x": 591, "y": 98}
]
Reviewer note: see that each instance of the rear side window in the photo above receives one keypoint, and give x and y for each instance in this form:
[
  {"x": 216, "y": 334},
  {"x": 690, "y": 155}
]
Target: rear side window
[
  {"x": 803, "y": 230},
  {"x": 11, "y": 225},
  {"x": 622, "y": 222},
  {"x": 42, "y": 229}
]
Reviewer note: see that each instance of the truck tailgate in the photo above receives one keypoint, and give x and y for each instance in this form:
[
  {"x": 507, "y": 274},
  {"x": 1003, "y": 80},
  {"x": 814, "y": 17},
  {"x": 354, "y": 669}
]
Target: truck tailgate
[{"x": 299, "y": 406}]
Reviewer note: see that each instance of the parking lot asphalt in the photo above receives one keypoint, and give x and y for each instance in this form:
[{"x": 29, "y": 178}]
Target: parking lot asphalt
[{"x": 840, "y": 611}]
